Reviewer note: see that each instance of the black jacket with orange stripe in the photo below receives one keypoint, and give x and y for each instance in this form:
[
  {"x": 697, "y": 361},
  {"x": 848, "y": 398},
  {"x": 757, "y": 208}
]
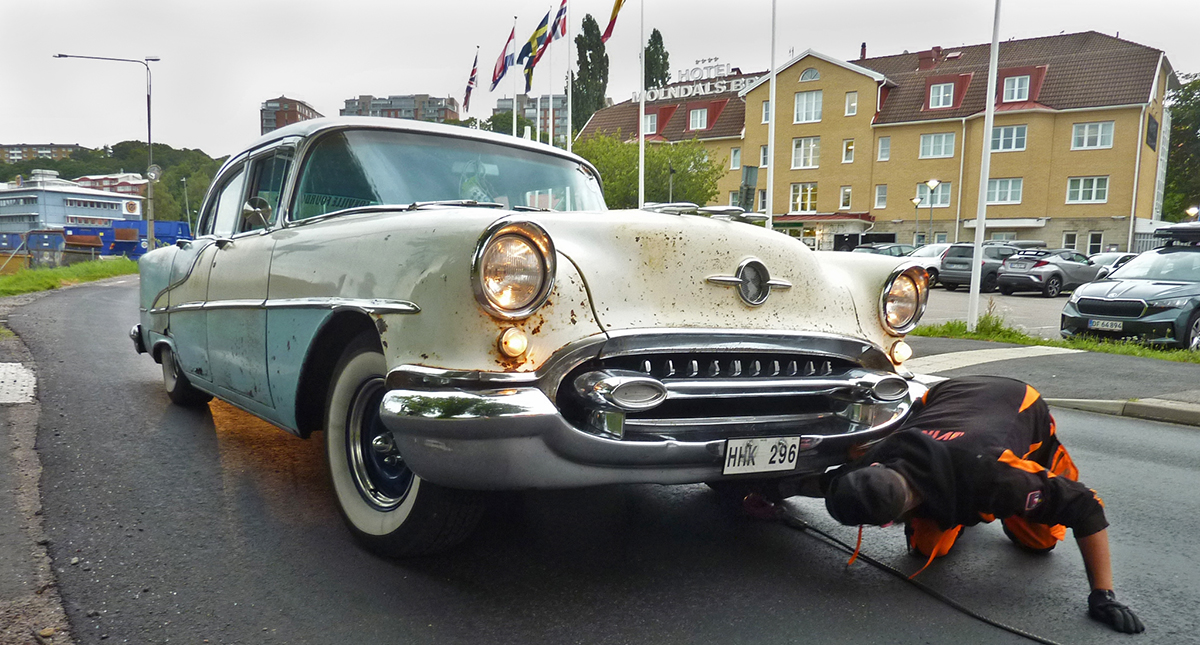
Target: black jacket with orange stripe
[{"x": 983, "y": 447}]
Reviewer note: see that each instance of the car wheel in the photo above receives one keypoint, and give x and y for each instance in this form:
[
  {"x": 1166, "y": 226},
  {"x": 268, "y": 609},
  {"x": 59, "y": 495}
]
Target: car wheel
[
  {"x": 1193, "y": 334},
  {"x": 386, "y": 506},
  {"x": 933, "y": 276},
  {"x": 950, "y": 286},
  {"x": 1008, "y": 291},
  {"x": 177, "y": 385},
  {"x": 989, "y": 283},
  {"x": 1053, "y": 287}
]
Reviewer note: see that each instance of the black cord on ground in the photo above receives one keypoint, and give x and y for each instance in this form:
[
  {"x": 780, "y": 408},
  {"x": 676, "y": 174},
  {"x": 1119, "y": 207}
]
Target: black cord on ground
[{"x": 796, "y": 523}]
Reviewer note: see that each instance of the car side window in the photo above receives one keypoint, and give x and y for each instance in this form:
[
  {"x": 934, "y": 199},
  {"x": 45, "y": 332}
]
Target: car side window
[
  {"x": 228, "y": 208},
  {"x": 269, "y": 173},
  {"x": 1080, "y": 258}
]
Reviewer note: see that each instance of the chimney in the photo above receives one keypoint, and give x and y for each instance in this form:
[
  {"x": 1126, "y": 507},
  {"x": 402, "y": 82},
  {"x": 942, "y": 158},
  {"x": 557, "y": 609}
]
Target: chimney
[
  {"x": 927, "y": 60},
  {"x": 862, "y": 53}
]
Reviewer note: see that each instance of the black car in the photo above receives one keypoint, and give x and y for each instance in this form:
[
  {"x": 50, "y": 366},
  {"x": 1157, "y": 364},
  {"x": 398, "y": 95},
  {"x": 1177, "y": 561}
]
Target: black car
[{"x": 1153, "y": 298}]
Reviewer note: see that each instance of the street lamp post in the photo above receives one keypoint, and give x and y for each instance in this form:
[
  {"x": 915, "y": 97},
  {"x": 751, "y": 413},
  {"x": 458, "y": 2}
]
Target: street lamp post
[
  {"x": 187, "y": 210},
  {"x": 932, "y": 184},
  {"x": 151, "y": 171},
  {"x": 916, "y": 217}
]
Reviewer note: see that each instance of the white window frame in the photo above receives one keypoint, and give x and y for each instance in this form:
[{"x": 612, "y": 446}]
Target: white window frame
[
  {"x": 764, "y": 156},
  {"x": 847, "y": 196},
  {"x": 1016, "y": 89},
  {"x": 1074, "y": 237},
  {"x": 808, "y": 107},
  {"x": 1005, "y": 191},
  {"x": 880, "y": 195},
  {"x": 702, "y": 114},
  {"x": 851, "y": 103},
  {"x": 735, "y": 158},
  {"x": 766, "y": 112},
  {"x": 1087, "y": 185},
  {"x": 937, "y": 142},
  {"x": 941, "y": 195},
  {"x": 1011, "y": 134},
  {"x": 650, "y": 123},
  {"x": 940, "y": 97},
  {"x": 1095, "y": 241},
  {"x": 1102, "y": 131},
  {"x": 733, "y": 197},
  {"x": 885, "y": 149},
  {"x": 806, "y": 153},
  {"x": 762, "y": 201},
  {"x": 810, "y": 74},
  {"x": 941, "y": 237},
  {"x": 847, "y": 150},
  {"x": 801, "y": 193},
  {"x": 1004, "y": 236}
]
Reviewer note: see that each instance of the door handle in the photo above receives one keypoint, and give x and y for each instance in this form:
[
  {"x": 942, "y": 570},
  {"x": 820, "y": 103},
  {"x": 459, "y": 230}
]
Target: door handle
[
  {"x": 183, "y": 244},
  {"x": 223, "y": 242}
]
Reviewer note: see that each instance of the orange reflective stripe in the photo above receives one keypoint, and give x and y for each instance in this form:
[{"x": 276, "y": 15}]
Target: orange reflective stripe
[
  {"x": 1023, "y": 464},
  {"x": 1031, "y": 395},
  {"x": 945, "y": 541},
  {"x": 987, "y": 517}
]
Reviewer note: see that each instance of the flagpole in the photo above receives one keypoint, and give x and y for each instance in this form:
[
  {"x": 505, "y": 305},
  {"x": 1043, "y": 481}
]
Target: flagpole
[
  {"x": 984, "y": 173},
  {"x": 514, "y": 78},
  {"x": 770, "y": 135},
  {"x": 642, "y": 108},
  {"x": 570, "y": 73},
  {"x": 549, "y": 40}
]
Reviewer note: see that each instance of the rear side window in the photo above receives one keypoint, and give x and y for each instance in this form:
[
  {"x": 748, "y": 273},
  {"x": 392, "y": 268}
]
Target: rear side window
[{"x": 960, "y": 252}]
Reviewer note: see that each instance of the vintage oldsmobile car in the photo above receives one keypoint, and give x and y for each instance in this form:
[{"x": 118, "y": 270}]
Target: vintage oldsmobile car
[{"x": 457, "y": 312}]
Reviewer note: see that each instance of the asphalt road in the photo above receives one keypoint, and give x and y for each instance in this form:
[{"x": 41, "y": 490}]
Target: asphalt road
[
  {"x": 210, "y": 526},
  {"x": 1029, "y": 311}
]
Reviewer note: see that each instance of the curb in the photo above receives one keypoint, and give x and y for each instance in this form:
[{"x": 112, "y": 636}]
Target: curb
[{"x": 1151, "y": 409}]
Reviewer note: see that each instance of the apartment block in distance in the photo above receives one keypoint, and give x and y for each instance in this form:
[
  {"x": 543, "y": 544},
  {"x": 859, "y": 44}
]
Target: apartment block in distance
[
  {"x": 282, "y": 111},
  {"x": 12, "y": 153},
  {"x": 421, "y": 107},
  {"x": 1079, "y": 143}
]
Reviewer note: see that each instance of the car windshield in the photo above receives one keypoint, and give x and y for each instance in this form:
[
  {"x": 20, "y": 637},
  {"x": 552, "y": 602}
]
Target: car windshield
[
  {"x": 1170, "y": 264},
  {"x": 928, "y": 251},
  {"x": 355, "y": 168}
]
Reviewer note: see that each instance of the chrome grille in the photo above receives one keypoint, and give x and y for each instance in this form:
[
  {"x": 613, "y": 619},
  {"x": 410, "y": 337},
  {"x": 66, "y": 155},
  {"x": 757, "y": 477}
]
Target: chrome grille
[{"x": 1102, "y": 307}]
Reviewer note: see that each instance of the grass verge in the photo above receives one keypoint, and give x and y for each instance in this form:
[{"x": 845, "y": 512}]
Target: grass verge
[
  {"x": 31, "y": 280},
  {"x": 991, "y": 327}
]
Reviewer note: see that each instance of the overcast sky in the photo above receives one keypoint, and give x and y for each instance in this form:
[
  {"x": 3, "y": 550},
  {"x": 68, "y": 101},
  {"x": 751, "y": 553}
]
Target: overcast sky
[{"x": 222, "y": 58}]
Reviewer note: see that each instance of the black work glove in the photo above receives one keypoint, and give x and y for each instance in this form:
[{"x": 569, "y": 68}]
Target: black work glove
[{"x": 1103, "y": 606}]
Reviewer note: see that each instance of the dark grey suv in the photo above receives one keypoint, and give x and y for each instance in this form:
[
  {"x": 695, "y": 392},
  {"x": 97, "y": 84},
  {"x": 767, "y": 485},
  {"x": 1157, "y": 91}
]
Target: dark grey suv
[{"x": 956, "y": 265}]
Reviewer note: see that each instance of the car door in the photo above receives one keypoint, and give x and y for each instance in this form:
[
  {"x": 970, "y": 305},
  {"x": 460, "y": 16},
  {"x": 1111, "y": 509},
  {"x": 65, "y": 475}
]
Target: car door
[{"x": 238, "y": 281}]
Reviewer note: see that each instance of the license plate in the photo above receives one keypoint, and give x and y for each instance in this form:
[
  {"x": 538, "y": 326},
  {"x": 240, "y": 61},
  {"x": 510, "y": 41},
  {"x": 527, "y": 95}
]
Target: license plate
[
  {"x": 1019, "y": 265},
  {"x": 760, "y": 455},
  {"x": 1106, "y": 325}
]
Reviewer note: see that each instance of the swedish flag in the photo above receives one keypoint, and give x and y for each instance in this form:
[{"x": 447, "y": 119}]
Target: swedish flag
[{"x": 529, "y": 53}]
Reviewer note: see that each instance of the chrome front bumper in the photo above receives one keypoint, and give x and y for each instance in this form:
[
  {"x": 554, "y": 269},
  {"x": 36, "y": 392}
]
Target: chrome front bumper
[{"x": 504, "y": 431}]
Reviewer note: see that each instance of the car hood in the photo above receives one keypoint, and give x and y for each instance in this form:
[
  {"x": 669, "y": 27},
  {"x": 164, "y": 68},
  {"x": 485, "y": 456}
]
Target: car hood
[
  {"x": 652, "y": 270},
  {"x": 1138, "y": 289}
]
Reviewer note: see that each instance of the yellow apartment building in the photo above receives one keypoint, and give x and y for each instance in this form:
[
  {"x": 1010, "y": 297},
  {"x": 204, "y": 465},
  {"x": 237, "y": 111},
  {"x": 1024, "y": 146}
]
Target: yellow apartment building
[{"x": 1079, "y": 144}]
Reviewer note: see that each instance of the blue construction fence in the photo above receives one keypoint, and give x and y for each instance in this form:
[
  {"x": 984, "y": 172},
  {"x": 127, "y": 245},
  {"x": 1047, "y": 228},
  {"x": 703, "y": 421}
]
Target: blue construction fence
[{"x": 60, "y": 247}]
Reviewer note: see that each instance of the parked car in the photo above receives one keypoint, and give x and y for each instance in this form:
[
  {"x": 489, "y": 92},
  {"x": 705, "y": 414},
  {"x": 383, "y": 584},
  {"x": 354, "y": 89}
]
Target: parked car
[
  {"x": 1050, "y": 271},
  {"x": 929, "y": 257},
  {"x": 1020, "y": 244},
  {"x": 1154, "y": 298},
  {"x": 885, "y": 248},
  {"x": 956, "y": 265},
  {"x": 1110, "y": 261},
  {"x": 456, "y": 311}
]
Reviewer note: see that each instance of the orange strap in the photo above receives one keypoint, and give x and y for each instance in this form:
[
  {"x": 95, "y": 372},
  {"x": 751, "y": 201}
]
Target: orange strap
[
  {"x": 857, "y": 546},
  {"x": 941, "y": 548}
]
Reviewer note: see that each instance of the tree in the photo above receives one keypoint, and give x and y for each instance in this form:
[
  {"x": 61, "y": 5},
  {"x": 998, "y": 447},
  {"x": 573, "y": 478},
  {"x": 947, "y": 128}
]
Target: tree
[
  {"x": 1183, "y": 158},
  {"x": 695, "y": 174},
  {"x": 502, "y": 122},
  {"x": 591, "y": 83},
  {"x": 658, "y": 66}
]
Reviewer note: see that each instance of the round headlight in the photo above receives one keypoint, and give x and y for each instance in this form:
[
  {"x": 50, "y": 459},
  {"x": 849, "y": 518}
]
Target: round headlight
[
  {"x": 904, "y": 301},
  {"x": 514, "y": 269}
]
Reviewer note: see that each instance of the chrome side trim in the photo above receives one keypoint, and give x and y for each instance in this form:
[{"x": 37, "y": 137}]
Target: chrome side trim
[
  {"x": 723, "y": 421},
  {"x": 370, "y": 306},
  {"x": 742, "y": 388}
]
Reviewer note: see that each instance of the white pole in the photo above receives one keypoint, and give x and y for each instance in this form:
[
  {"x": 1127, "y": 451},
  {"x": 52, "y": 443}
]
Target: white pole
[
  {"x": 984, "y": 172},
  {"x": 512, "y": 72},
  {"x": 539, "y": 117},
  {"x": 770, "y": 136},
  {"x": 642, "y": 108},
  {"x": 570, "y": 70},
  {"x": 550, "y": 73}
]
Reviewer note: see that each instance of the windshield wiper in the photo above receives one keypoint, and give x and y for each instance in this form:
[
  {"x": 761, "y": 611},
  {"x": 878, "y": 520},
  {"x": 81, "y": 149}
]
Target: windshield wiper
[
  {"x": 530, "y": 209},
  {"x": 453, "y": 202}
]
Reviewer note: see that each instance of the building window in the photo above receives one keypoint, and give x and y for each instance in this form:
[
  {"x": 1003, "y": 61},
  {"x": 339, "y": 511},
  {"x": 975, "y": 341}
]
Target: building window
[
  {"x": 881, "y": 196},
  {"x": 734, "y": 198},
  {"x": 735, "y": 158},
  {"x": 919, "y": 239},
  {"x": 1087, "y": 190},
  {"x": 649, "y": 123},
  {"x": 941, "y": 95},
  {"x": 1016, "y": 88},
  {"x": 806, "y": 152},
  {"x": 846, "y": 190},
  {"x": 940, "y": 198},
  {"x": 762, "y": 201},
  {"x": 1092, "y": 135},
  {"x": 940, "y": 238},
  {"x": 810, "y": 74},
  {"x": 1095, "y": 242},
  {"x": 1005, "y": 236},
  {"x": 848, "y": 151},
  {"x": 885, "y": 148},
  {"x": 766, "y": 110},
  {"x": 934, "y": 146},
  {"x": 1004, "y": 191},
  {"x": 1070, "y": 239},
  {"x": 808, "y": 107},
  {"x": 851, "y": 103},
  {"x": 763, "y": 157},
  {"x": 1008, "y": 138},
  {"x": 699, "y": 119},
  {"x": 804, "y": 197}
]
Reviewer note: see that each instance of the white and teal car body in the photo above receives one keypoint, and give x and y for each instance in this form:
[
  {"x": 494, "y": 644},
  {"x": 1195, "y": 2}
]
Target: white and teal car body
[{"x": 457, "y": 312}]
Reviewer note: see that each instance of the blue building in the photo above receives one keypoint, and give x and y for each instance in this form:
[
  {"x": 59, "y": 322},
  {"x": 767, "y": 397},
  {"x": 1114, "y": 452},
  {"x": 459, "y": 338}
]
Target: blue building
[{"x": 44, "y": 201}]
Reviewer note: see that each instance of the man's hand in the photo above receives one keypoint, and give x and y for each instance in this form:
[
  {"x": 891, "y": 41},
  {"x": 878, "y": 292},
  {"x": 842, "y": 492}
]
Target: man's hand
[{"x": 1103, "y": 606}]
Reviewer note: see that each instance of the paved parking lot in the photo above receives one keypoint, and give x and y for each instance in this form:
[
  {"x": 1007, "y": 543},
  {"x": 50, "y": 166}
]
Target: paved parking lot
[{"x": 1037, "y": 315}]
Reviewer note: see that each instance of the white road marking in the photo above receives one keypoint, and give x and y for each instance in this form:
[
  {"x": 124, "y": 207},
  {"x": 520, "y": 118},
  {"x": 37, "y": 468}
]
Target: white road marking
[
  {"x": 954, "y": 360},
  {"x": 17, "y": 383}
]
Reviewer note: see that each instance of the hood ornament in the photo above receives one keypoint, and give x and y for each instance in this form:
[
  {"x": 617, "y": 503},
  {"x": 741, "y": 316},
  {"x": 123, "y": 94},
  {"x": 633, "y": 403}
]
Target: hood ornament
[{"x": 752, "y": 280}]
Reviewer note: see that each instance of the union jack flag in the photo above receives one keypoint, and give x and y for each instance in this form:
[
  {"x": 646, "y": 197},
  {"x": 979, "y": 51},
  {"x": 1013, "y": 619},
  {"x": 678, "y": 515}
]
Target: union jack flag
[{"x": 471, "y": 81}]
